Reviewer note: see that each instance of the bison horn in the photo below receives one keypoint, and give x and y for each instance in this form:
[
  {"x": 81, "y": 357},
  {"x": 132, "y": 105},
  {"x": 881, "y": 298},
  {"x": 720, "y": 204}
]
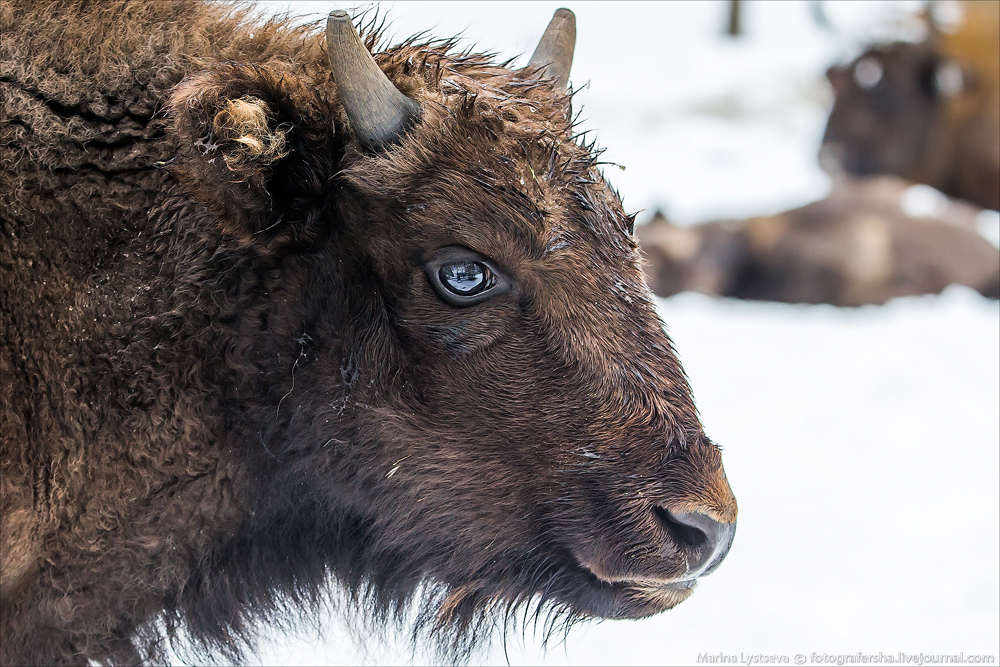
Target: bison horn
[
  {"x": 554, "y": 52},
  {"x": 377, "y": 111}
]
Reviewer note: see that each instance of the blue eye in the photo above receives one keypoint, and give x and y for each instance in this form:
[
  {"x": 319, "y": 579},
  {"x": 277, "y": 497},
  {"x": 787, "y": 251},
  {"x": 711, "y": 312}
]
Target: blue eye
[{"x": 465, "y": 278}]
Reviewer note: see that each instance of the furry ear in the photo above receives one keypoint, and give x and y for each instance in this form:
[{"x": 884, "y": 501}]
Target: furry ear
[{"x": 256, "y": 149}]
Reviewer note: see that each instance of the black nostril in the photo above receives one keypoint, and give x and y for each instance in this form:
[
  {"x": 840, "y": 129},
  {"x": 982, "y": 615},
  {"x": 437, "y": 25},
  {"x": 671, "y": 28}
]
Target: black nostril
[
  {"x": 685, "y": 534},
  {"x": 704, "y": 540}
]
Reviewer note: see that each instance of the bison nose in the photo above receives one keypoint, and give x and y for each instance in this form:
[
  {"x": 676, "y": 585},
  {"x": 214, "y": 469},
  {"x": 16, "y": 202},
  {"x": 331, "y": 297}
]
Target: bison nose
[{"x": 702, "y": 540}]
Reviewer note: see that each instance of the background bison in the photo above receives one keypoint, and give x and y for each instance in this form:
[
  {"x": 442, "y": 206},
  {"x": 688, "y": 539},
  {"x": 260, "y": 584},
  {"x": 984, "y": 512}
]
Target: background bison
[
  {"x": 858, "y": 246},
  {"x": 273, "y": 311},
  {"x": 927, "y": 112}
]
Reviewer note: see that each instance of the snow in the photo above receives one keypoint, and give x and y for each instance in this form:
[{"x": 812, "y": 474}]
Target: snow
[
  {"x": 862, "y": 444},
  {"x": 988, "y": 224}
]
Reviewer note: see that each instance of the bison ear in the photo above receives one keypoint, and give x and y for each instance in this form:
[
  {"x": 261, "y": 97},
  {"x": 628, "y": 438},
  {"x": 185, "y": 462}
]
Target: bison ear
[{"x": 254, "y": 149}]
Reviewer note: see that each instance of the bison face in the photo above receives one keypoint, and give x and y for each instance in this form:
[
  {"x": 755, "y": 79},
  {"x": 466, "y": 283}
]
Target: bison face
[
  {"x": 887, "y": 111},
  {"x": 539, "y": 437},
  {"x": 471, "y": 389}
]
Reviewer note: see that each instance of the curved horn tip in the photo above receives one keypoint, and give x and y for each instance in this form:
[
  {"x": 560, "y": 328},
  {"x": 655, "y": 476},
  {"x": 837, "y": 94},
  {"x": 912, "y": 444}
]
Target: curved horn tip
[
  {"x": 377, "y": 111},
  {"x": 554, "y": 52}
]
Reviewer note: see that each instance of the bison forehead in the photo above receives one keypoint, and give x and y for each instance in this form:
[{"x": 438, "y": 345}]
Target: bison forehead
[
  {"x": 464, "y": 174},
  {"x": 487, "y": 126}
]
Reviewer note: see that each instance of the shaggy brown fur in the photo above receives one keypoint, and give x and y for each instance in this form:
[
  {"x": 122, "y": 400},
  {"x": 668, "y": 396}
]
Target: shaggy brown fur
[{"x": 226, "y": 377}]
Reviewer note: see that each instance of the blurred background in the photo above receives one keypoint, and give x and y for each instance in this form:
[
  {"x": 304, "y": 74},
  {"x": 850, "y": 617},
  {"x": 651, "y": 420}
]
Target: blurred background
[{"x": 833, "y": 302}]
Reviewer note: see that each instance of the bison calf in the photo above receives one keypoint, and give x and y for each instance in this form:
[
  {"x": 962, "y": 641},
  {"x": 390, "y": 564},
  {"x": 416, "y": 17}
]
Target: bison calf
[{"x": 276, "y": 309}]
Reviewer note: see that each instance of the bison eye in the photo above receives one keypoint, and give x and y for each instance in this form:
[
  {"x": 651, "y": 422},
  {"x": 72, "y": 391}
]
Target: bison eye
[{"x": 462, "y": 277}]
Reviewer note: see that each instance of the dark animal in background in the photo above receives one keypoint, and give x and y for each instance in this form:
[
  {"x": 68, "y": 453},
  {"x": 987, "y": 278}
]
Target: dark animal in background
[
  {"x": 274, "y": 310},
  {"x": 928, "y": 112},
  {"x": 855, "y": 247}
]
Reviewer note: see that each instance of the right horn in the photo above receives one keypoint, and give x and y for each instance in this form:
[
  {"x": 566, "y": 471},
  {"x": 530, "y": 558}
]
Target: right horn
[
  {"x": 379, "y": 114},
  {"x": 555, "y": 49}
]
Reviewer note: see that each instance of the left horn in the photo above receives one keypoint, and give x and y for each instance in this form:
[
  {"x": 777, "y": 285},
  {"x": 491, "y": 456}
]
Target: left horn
[
  {"x": 555, "y": 49},
  {"x": 377, "y": 111}
]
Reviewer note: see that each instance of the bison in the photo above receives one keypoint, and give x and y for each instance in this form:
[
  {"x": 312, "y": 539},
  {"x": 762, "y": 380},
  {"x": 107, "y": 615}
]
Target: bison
[
  {"x": 279, "y": 307},
  {"x": 858, "y": 246},
  {"x": 927, "y": 112}
]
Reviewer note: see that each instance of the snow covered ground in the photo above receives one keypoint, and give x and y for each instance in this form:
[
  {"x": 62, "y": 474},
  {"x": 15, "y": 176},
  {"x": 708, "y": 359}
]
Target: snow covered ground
[{"x": 862, "y": 444}]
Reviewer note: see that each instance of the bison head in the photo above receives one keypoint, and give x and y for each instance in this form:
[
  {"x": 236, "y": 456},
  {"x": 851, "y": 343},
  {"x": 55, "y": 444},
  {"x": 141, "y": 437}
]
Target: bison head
[
  {"x": 888, "y": 112},
  {"x": 446, "y": 372}
]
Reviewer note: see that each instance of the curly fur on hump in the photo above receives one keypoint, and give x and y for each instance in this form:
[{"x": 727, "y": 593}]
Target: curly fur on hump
[{"x": 227, "y": 380}]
